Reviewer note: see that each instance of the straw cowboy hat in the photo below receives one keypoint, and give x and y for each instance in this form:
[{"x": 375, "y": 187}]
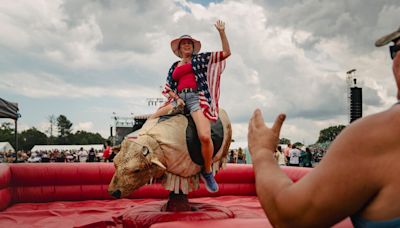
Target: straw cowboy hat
[
  {"x": 175, "y": 45},
  {"x": 388, "y": 38}
]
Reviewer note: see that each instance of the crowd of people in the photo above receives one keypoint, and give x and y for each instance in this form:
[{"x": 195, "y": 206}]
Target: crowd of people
[
  {"x": 237, "y": 156},
  {"x": 294, "y": 155},
  {"x": 291, "y": 155},
  {"x": 81, "y": 155}
]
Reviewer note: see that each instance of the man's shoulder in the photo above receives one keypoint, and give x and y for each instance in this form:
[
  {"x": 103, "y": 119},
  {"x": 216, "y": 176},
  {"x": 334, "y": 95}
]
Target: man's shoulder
[
  {"x": 394, "y": 112},
  {"x": 364, "y": 135},
  {"x": 387, "y": 120}
]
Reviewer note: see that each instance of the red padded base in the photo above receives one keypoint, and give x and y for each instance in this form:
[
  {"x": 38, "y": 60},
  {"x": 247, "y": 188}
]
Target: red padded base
[
  {"x": 234, "y": 223},
  {"x": 150, "y": 213},
  {"x": 102, "y": 213}
]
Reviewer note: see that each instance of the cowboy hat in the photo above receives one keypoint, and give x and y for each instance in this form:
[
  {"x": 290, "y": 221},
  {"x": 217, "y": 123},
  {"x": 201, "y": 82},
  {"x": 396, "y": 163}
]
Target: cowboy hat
[
  {"x": 175, "y": 44},
  {"x": 389, "y": 37}
]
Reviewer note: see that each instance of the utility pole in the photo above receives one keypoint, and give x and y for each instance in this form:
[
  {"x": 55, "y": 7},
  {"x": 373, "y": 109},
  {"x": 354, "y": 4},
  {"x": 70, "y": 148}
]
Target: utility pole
[
  {"x": 52, "y": 120},
  {"x": 115, "y": 118}
]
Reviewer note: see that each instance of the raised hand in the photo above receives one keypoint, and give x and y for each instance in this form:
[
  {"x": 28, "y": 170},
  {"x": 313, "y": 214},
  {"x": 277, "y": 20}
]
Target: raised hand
[
  {"x": 220, "y": 26},
  {"x": 260, "y": 136}
]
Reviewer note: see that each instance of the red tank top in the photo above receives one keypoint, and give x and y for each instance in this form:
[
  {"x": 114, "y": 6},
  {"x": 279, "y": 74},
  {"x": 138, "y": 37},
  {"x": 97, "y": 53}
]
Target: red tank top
[{"x": 185, "y": 77}]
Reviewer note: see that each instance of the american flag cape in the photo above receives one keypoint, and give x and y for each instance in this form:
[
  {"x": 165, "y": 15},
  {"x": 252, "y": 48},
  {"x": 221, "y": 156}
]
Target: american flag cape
[{"x": 207, "y": 68}]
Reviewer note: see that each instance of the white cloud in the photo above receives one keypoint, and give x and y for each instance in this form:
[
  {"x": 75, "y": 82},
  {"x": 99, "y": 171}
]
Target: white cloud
[
  {"x": 84, "y": 126},
  {"x": 239, "y": 134},
  {"x": 45, "y": 85}
]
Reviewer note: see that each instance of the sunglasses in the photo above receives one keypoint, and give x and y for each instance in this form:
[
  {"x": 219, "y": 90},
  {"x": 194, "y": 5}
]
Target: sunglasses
[{"x": 393, "y": 50}]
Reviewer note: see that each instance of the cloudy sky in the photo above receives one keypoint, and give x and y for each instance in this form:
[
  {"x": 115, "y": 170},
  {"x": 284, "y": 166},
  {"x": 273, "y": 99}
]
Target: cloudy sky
[{"x": 88, "y": 59}]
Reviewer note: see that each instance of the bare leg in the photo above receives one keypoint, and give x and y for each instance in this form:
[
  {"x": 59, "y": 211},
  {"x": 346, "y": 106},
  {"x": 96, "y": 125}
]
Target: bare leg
[
  {"x": 204, "y": 132},
  {"x": 162, "y": 111}
]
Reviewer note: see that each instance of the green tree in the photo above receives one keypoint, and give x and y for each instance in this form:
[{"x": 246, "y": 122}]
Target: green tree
[
  {"x": 284, "y": 141},
  {"x": 298, "y": 144},
  {"x": 31, "y": 137},
  {"x": 64, "y": 130},
  {"x": 83, "y": 137},
  {"x": 329, "y": 134},
  {"x": 7, "y": 133}
]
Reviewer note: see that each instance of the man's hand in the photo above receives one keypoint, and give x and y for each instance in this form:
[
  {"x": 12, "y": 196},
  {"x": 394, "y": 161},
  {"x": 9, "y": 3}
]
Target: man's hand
[
  {"x": 220, "y": 25},
  {"x": 260, "y": 136}
]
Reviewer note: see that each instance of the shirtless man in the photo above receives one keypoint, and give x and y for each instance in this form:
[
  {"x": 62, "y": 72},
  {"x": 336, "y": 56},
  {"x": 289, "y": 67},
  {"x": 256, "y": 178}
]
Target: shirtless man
[{"x": 364, "y": 186}]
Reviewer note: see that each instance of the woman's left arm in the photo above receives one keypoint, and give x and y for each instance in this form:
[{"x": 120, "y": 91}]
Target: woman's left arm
[{"x": 226, "y": 51}]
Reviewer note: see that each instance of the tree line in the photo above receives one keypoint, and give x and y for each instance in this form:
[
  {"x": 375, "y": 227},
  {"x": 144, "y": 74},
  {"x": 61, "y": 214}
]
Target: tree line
[
  {"x": 325, "y": 135},
  {"x": 32, "y": 136},
  {"x": 28, "y": 138}
]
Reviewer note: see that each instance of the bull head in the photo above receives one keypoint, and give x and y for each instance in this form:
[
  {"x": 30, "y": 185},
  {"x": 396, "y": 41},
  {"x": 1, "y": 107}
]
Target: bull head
[{"x": 135, "y": 165}]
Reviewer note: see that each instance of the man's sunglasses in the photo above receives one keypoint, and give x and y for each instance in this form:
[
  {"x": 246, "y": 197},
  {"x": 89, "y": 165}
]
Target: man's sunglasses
[{"x": 393, "y": 50}]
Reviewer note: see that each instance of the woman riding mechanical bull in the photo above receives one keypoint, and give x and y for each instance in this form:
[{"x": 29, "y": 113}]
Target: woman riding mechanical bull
[{"x": 192, "y": 84}]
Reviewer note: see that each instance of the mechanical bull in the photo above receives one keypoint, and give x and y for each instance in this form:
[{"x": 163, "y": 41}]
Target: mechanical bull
[{"x": 168, "y": 147}]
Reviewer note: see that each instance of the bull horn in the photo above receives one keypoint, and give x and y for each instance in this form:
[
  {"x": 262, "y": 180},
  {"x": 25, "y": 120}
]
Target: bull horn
[{"x": 158, "y": 163}]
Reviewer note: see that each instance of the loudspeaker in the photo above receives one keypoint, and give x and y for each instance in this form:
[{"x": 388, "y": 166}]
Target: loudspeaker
[{"x": 355, "y": 103}]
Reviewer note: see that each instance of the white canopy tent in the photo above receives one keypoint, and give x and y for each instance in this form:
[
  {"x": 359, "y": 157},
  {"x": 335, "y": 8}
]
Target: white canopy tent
[
  {"x": 66, "y": 147},
  {"x": 6, "y": 146}
]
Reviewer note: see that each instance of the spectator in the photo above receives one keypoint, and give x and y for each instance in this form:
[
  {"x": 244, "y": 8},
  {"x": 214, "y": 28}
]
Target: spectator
[
  {"x": 294, "y": 156},
  {"x": 12, "y": 156},
  {"x": 241, "y": 156},
  {"x": 232, "y": 158},
  {"x": 306, "y": 158},
  {"x": 92, "y": 155},
  {"x": 17, "y": 157},
  {"x": 45, "y": 157},
  {"x": 34, "y": 158},
  {"x": 83, "y": 155},
  {"x": 106, "y": 152},
  {"x": 112, "y": 155},
  {"x": 280, "y": 156},
  {"x": 60, "y": 157},
  {"x": 69, "y": 157},
  {"x": 286, "y": 151}
]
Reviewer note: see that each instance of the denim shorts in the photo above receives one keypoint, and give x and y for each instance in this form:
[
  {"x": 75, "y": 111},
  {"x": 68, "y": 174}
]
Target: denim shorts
[{"x": 191, "y": 99}]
